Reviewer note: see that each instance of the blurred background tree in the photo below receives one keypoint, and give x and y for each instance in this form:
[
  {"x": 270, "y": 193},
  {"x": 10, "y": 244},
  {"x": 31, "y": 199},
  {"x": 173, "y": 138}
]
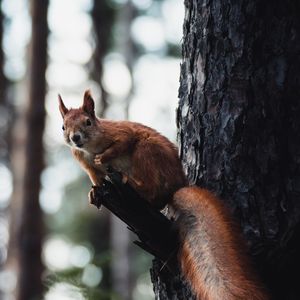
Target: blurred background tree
[
  {"x": 26, "y": 226},
  {"x": 127, "y": 53}
]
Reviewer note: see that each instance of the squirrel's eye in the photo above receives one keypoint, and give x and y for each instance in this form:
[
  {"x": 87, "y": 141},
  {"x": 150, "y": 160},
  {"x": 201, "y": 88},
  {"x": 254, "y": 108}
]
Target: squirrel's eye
[
  {"x": 88, "y": 122},
  {"x": 63, "y": 127}
]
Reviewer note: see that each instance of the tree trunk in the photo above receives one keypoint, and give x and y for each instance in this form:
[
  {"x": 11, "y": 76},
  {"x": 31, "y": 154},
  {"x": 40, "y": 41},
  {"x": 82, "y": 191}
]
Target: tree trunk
[
  {"x": 26, "y": 221},
  {"x": 239, "y": 123}
]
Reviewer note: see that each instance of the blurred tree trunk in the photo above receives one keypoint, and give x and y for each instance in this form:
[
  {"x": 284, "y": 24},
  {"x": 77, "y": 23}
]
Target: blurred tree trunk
[
  {"x": 6, "y": 108},
  {"x": 3, "y": 79},
  {"x": 26, "y": 216},
  {"x": 103, "y": 18},
  {"x": 239, "y": 125},
  {"x": 126, "y": 45},
  {"x": 118, "y": 236},
  {"x": 3, "y": 140},
  {"x": 121, "y": 273},
  {"x": 123, "y": 277}
]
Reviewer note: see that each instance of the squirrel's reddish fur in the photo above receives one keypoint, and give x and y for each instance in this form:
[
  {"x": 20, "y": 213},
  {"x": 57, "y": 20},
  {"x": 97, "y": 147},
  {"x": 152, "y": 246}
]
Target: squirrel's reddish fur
[
  {"x": 212, "y": 255},
  {"x": 148, "y": 160}
]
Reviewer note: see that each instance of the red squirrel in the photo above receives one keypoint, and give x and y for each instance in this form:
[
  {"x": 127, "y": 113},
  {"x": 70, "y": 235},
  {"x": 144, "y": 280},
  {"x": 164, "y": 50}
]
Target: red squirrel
[{"x": 211, "y": 255}]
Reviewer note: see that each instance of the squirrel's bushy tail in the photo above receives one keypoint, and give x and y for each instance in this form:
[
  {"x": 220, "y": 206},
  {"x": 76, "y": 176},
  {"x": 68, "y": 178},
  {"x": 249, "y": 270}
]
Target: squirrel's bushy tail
[{"x": 212, "y": 254}]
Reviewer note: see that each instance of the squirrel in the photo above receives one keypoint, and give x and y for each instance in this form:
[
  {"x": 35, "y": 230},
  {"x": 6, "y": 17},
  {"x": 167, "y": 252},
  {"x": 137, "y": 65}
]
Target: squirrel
[
  {"x": 212, "y": 254},
  {"x": 147, "y": 160}
]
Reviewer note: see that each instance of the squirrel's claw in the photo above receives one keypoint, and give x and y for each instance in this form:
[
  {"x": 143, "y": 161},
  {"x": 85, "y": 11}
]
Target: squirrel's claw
[
  {"x": 98, "y": 159},
  {"x": 92, "y": 197}
]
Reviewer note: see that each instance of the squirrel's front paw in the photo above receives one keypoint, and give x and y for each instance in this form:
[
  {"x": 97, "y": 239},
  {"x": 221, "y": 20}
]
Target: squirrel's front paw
[
  {"x": 98, "y": 159},
  {"x": 92, "y": 197}
]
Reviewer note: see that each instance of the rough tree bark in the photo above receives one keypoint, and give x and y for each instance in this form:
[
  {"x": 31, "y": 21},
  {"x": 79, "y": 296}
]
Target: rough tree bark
[
  {"x": 26, "y": 230},
  {"x": 239, "y": 123}
]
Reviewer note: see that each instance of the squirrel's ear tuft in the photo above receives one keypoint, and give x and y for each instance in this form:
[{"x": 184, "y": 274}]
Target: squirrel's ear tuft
[
  {"x": 63, "y": 110},
  {"x": 88, "y": 103}
]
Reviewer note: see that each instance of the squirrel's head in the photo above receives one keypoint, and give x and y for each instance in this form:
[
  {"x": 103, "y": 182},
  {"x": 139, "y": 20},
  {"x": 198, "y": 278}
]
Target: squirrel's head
[{"x": 79, "y": 124}]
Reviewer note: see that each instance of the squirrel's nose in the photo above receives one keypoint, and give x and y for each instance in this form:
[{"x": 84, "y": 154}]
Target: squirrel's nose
[{"x": 75, "y": 138}]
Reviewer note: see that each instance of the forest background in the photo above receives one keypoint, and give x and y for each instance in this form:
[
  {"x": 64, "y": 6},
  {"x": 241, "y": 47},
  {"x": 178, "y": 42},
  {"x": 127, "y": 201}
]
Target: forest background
[{"x": 128, "y": 54}]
